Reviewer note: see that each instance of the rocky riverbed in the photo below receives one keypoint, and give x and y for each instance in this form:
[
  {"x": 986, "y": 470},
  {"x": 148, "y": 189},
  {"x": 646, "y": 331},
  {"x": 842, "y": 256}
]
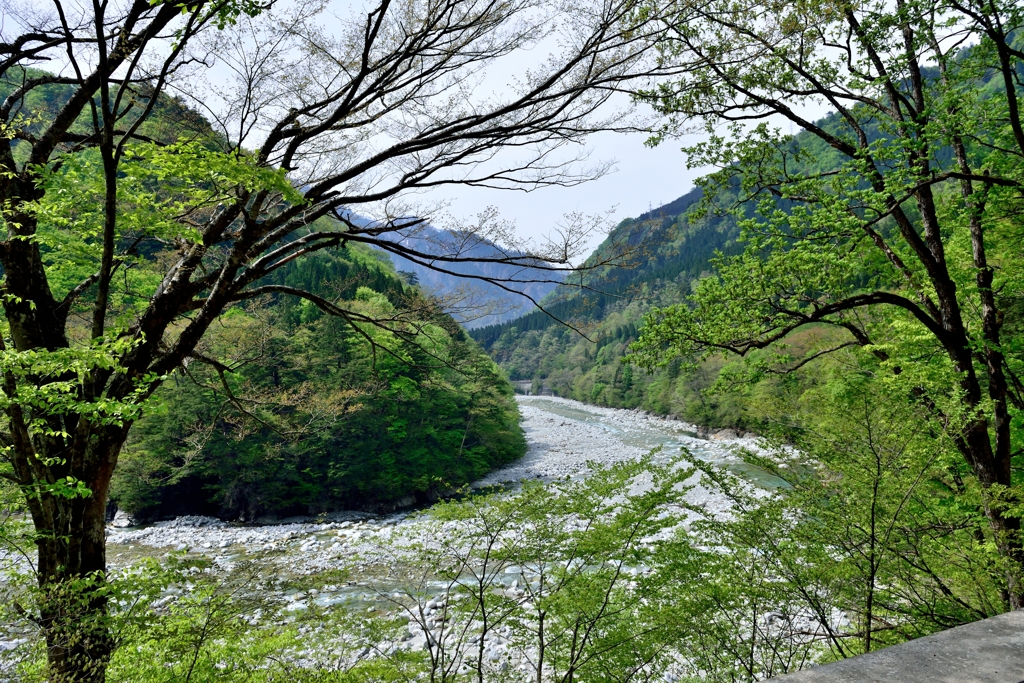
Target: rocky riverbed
[
  {"x": 339, "y": 561},
  {"x": 563, "y": 435}
]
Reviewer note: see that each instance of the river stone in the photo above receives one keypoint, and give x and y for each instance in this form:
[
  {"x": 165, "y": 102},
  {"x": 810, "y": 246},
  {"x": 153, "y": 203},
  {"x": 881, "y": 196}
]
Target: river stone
[{"x": 122, "y": 520}]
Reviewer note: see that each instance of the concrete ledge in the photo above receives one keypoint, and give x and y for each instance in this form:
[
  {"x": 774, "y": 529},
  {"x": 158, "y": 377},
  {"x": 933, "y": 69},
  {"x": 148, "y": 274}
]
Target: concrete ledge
[{"x": 987, "y": 651}]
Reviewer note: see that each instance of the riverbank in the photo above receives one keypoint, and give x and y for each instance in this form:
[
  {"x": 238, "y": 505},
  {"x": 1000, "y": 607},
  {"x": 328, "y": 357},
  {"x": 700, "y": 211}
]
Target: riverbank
[
  {"x": 343, "y": 564},
  {"x": 564, "y": 436}
]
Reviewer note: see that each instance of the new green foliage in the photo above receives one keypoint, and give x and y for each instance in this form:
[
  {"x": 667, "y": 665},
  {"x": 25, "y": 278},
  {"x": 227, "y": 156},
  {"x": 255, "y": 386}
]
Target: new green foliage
[
  {"x": 892, "y": 222},
  {"x": 677, "y": 246},
  {"x": 318, "y": 413},
  {"x": 296, "y": 410},
  {"x": 878, "y": 535}
]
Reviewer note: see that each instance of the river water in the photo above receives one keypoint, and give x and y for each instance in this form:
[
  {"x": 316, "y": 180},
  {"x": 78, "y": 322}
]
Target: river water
[
  {"x": 562, "y": 431},
  {"x": 563, "y": 436}
]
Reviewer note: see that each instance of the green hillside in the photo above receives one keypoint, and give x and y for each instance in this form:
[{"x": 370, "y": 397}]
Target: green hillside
[
  {"x": 313, "y": 417},
  {"x": 675, "y": 248},
  {"x": 171, "y": 119},
  {"x": 285, "y": 409},
  {"x": 677, "y": 242}
]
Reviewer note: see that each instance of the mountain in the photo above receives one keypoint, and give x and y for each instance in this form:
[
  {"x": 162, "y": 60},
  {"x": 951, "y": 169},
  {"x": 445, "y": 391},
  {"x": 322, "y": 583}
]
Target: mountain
[
  {"x": 675, "y": 251},
  {"x": 476, "y": 303},
  {"x": 470, "y": 299},
  {"x": 672, "y": 252},
  {"x": 317, "y": 419},
  {"x": 286, "y": 409}
]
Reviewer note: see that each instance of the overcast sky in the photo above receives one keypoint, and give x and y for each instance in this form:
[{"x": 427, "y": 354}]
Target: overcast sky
[{"x": 642, "y": 177}]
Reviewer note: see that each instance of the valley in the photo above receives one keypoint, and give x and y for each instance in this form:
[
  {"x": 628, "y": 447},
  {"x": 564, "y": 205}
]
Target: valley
[
  {"x": 314, "y": 575},
  {"x": 563, "y": 437},
  {"x": 276, "y": 406}
]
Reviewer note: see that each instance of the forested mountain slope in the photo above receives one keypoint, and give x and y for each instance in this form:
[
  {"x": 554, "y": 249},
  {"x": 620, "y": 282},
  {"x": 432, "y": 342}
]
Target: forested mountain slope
[
  {"x": 680, "y": 239},
  {"x": 318, "y": 414},
  {"x": 473, "y": 300},
  {"x": 285, "y": 409},
  {"x": 676, "y": 250}
]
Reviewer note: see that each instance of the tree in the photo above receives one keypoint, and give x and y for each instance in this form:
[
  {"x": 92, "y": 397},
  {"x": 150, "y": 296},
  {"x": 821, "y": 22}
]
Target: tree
[
  {"x": 892, "y": 219},
  {"x": 869, "y": 537},
  {"x": 568, "y": 575},
  {"x": 126, "y": 241}
]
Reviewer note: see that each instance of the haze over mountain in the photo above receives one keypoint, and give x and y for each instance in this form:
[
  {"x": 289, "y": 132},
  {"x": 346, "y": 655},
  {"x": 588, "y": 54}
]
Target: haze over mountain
[{"x": 473, "y": 299}]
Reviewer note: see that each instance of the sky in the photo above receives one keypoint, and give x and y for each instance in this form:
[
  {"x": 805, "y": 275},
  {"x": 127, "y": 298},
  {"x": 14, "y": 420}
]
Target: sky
[{"x": 642, "y": 178}]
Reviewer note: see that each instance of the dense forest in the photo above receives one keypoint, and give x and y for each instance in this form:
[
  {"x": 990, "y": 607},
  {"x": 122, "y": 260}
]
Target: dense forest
[
  {"x": 289, "y": 410},
  {"x": 584, "y": 359},
  {"x": 300, "y": 413},
  {"x": 577, "y": 345}
]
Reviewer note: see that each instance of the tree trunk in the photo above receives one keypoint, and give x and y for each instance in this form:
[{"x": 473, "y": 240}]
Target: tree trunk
[
  {"x": 73, "y": 589},
  {"x": 994, "y": 477}
]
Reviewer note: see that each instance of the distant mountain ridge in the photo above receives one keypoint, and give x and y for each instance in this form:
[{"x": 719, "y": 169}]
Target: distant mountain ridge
[
  {"x": 677, "y": 250},
  {"x": 472, "y": 301},
  {"x": 674, "y": 250}
]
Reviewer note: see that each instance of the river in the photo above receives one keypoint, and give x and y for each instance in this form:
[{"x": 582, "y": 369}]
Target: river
[
  {"x": 563, "y": 436},
  {"x": 341, "y": 553}
]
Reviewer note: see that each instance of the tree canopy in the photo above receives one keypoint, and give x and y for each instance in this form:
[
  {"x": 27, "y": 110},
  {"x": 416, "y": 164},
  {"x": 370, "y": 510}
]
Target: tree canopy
[
  {"x": 127, "y": 240},
  {"x": 893, "y": 219}
]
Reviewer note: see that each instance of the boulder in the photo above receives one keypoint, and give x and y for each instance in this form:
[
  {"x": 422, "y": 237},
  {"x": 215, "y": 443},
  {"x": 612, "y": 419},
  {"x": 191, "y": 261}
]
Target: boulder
[{"x": 122, "y": 520}]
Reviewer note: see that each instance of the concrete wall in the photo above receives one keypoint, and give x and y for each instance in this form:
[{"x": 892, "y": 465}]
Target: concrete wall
[{"x": 987, "y": 651}]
